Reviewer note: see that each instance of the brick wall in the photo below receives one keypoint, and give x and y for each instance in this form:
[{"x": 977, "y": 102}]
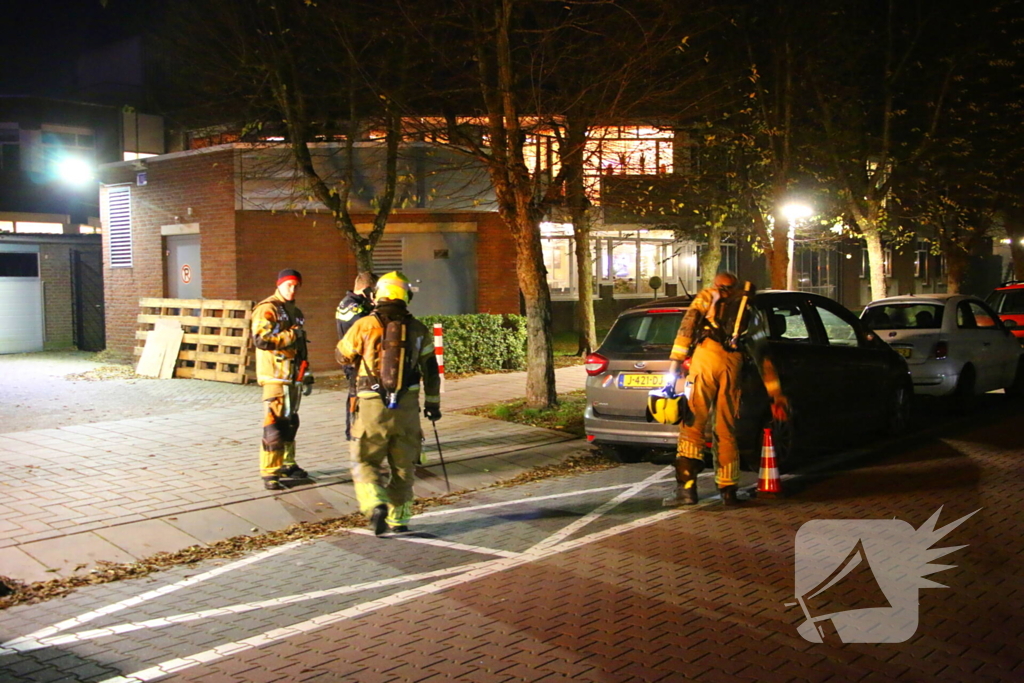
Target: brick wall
[
  {"x": 497, "y": 286},
  {"x": 55, "y": 272},
  {"x": 202, "y": 181},
  {"x": 269, "y": 242}
]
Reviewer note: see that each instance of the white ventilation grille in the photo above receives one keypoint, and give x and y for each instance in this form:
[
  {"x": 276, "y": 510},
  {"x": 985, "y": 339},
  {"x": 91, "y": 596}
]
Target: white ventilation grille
[
  {"x": 119, "y": 225},
  {"x": 387, "y": 255}
]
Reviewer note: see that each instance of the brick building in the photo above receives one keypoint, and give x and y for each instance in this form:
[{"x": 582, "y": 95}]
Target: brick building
[{"x": 221, "y": 221}]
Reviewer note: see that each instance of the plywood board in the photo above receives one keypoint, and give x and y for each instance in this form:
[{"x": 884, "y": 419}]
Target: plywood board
[{"x": 161, "y": 350}]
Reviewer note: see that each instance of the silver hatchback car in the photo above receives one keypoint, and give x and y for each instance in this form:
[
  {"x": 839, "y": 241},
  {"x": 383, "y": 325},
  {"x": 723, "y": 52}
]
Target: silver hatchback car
[{"x": 842, "y": 382}]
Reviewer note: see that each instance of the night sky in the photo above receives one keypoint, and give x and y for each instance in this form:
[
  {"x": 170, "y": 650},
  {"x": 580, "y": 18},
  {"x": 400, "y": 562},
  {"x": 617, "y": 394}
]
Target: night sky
[{"x": 43, "y": 39}]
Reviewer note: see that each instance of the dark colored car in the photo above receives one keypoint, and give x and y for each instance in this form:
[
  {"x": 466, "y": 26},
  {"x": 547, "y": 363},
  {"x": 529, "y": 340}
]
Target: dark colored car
[
  {"x": 842, "y": 382},
  {"x": 1008, "y": 301}
]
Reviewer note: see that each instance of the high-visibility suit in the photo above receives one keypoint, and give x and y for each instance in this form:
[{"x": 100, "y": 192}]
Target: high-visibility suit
[
  {"x": 715, "y": 375},
  {"x": 280, "y": 344},
  {"x": 388, "y": 434}
]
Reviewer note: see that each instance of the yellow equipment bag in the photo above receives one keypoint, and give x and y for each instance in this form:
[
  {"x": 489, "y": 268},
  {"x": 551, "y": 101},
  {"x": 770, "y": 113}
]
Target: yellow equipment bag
[{"x": 666, "y": 407}]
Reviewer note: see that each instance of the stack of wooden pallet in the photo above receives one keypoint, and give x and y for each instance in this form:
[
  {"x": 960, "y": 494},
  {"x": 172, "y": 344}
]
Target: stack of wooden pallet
[{"x": 215, "y": 344}]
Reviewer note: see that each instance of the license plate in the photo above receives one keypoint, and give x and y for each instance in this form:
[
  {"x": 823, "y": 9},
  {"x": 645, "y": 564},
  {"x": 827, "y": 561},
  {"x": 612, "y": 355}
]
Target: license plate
[
  {"x": 903, "y": 351},
  {"x": 644, "y": 381}
]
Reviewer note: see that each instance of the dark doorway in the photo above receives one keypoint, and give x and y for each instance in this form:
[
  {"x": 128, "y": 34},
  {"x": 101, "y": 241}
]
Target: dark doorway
[{"x": 88, "y": 274}]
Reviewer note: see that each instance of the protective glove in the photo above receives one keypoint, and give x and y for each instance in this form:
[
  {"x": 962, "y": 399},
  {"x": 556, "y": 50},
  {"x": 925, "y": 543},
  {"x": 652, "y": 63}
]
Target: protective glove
[
  {"x": 780, "y": 408},
  {"x": 670, "y": 383},
  {"x": 432, "y": 411},
  {"x": 307, "y": 384}
]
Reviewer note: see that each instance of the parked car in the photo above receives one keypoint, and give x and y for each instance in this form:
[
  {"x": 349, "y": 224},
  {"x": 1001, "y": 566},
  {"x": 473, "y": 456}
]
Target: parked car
[
  {"x": 955, "y": 345},
  {"x": 841, "y": 380},
  {"x": 1008, "y": 301}
]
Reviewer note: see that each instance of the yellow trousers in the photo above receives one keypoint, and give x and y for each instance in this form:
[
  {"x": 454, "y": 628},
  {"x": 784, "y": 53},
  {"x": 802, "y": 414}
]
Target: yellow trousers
[
  {"x": 277, "y": 449},
  {"x": 715, "y": 374},
  {"x": 387, "y": 435}
]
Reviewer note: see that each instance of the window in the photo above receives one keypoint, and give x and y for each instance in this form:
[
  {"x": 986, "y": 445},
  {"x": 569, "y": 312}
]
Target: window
[
  {"x": 1008, "y": 301},
  {"x": 903, "y": 317},
  {"x": 10, "y": 149},
  {"x": 964, "y": 317},
  {"x": 786, "y": 322},
  {"x": 46, "y": 228},
  {"x": 117, "y": 207},
  {"x": 17, "y": 264},
  {"x": 641, "y": 332},
  {"x": 865, "y": 262},
  {"x": 387, "y": 255},
  {"x": 815, "y": 268},
  {"x": 839, "y": 332},
  {"x": 921, "y": 253},
  {"x": 982, "y": 318}
]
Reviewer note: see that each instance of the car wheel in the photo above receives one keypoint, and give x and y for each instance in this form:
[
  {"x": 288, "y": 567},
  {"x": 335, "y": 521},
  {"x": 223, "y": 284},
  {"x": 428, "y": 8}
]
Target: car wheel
[
  {"x": 624, "y": 454},
  {"x": 901, "y": 404},
  {"x": 963, "y": 396},
  {"x": 1016, "y": 389}
]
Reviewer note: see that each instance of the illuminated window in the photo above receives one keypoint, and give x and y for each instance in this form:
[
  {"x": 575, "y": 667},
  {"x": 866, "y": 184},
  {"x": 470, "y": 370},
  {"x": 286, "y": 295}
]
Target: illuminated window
[
  {"x": 46, "y": 228},
  {"x": 628, "y": 260},
  {"x": 132, "y": 156},
  {"x": 921, "y": 254},
  {"x": 6, "y": 226}
]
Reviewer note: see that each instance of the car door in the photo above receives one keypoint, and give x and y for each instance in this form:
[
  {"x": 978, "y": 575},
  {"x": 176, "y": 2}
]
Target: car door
[
  {"x": 855, "y": 371},
  {"x": 799, "y": 355},
  {"x": 1000, "y": 349},
  {"x": 969, "y": 344}
]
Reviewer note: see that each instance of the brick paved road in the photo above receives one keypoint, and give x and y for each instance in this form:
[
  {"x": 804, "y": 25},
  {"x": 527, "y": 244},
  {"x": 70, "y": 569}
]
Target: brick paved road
[{"x": 603, "y": 585}]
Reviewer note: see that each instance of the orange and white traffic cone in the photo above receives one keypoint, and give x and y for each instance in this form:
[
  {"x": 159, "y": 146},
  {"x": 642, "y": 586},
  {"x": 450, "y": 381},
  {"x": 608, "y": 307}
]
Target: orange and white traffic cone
[{"x": 768, "y": 483}]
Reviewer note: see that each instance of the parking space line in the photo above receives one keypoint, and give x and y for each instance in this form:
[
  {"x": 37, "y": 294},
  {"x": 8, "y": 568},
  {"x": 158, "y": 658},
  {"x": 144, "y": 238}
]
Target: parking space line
[
  {"x": 533, "y": 499},
  {"x": 238, "y": 608},
  {"x": 570, "y": 529},
  {"x": 29, "y": 642},
  {"x": 440, "y": 543},
  {"x": 478, "y": 571}
]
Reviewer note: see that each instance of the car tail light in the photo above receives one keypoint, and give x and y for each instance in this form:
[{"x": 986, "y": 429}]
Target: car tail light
[
  {"x": 940, "y": 351},
  {"x": 595, "y": 364}
]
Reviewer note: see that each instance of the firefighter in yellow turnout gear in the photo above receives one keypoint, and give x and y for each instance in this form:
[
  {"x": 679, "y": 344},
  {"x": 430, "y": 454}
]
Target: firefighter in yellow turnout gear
[
  {"x": 281, "y": 369},
  {"x": 391, "y": 352},
  {"x": 714, "y": 328}
]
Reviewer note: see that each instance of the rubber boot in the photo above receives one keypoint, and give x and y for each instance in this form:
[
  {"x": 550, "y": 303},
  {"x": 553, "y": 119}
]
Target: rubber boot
[
  {"x": 729, "y": 495},
  {"x": 686, "y": 483}
]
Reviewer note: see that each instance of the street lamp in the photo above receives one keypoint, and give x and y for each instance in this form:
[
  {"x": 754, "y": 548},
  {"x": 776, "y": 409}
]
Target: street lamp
[
  {"x": 75, "y": 171},
  {"x": 793, "y": 212}
]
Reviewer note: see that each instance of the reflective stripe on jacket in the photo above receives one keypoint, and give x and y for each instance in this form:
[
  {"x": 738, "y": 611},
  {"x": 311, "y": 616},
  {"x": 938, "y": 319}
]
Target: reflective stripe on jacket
[{"x": 275, "y": 333}]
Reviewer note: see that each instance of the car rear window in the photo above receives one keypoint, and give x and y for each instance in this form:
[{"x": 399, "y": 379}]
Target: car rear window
[
  {"x": 903, "y": 316},
  {"x": 1011, "y": 301},
  {"x": 637, "y": 333}
]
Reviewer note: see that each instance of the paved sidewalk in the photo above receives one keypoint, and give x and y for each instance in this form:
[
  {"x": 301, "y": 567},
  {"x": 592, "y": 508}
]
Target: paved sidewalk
[{"x": 124, "y": 489}]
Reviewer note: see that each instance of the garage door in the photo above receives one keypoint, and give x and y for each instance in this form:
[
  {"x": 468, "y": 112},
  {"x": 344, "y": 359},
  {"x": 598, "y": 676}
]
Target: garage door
[{"x": 21, "y": 301}]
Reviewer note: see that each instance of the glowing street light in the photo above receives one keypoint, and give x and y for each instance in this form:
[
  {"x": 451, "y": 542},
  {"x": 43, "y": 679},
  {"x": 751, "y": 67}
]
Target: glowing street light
[
  {"x": 793, "y": 212},
  {"x": 75, "y": 171}
]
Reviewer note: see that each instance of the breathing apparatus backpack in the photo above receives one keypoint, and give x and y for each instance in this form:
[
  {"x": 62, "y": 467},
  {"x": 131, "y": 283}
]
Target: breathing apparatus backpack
[
  {"x": 392, "y": 360},
  {"x": 729, "y": 324}
]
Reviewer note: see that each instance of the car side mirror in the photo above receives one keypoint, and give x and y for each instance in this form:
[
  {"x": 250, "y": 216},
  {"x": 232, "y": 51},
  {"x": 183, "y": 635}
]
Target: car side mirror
[{"x": 1009, "y": 324}]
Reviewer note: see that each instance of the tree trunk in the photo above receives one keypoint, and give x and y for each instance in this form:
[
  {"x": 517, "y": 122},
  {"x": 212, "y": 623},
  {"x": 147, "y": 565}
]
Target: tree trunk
[
  {"x": 586, "y": 322},
  {"x": 1015, "y": 231},
  {"x": 876, "y": 262},
  {"x": 778, "y": 257},
  {"x": 578, "y": 204},
  {"x": 956, "y": 269},
  {"x": 712, "y": 256},
  {"x": 533, "y": 283}
]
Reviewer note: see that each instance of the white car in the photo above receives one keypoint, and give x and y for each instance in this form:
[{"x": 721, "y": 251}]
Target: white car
[{"x": 955, "y": 345}]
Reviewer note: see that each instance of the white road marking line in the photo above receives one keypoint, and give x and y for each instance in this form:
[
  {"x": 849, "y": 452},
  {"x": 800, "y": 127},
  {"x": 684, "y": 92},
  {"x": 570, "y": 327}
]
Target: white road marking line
[
  {"x": 572, "y": 528},
  {"x": 440, "y": 543},
  {"x": 553, "y": 496},
  {"x": 27, "y": 642},
  {"x": 481, "y": 570},
  {"x": 239, "y": 608}
]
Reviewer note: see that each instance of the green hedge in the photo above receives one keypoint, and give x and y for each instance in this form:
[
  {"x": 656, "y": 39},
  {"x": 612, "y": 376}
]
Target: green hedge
[{"x": 482, "y": 341}]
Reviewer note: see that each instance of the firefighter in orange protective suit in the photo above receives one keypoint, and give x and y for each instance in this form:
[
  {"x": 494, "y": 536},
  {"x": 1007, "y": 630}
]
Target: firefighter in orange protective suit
[
  {"x": 281, "y": 369},
  {"x": 713, "y": 329},
  {"x": 391, "y": 352}
]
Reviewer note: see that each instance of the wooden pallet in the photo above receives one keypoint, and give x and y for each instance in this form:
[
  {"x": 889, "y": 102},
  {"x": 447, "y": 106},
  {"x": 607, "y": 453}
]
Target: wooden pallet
[{"x": 216, "y": 344}]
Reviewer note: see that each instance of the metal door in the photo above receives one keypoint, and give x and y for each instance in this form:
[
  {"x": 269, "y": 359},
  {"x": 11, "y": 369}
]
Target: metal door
[
  {"x": 21, "y": 299},
  {"x": 184, "y": 267},
  {"x": 88, "y": 287}
]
